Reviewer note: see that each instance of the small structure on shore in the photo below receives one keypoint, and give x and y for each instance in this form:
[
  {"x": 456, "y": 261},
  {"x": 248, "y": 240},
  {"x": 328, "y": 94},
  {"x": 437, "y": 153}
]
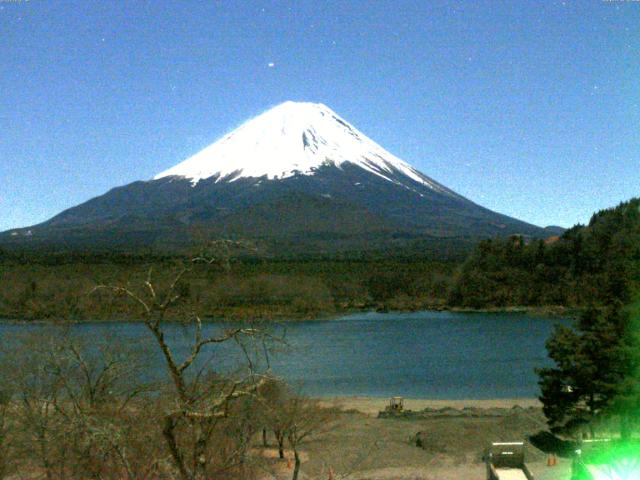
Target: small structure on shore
[
  {"x": 396, "y": 404},
  {"x": 395, "y": 408},
  {"x": 505, "y": 461}
]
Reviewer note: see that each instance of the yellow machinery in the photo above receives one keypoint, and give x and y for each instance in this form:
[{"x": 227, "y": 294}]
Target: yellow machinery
[{"x": 396, "y": 404}]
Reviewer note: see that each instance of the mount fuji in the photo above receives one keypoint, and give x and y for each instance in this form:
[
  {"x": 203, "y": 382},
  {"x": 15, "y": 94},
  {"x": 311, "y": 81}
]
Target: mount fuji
[{"x": 296, "y": 178}]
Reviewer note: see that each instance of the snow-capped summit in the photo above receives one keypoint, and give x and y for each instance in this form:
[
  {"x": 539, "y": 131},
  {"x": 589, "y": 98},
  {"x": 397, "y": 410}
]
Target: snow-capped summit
[{"x": 293, "y": 138}]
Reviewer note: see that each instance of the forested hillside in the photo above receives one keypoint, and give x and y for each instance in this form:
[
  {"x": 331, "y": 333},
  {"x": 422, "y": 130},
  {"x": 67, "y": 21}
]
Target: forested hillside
[
  {"x": 60, "y": 286},
  {"x": 587, "y": 265},
  {"x": 590, "y": 264}
]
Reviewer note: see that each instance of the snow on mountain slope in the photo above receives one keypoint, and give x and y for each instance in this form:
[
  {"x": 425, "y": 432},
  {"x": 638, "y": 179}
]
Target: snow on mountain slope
[{"x": 294, "y": 138}]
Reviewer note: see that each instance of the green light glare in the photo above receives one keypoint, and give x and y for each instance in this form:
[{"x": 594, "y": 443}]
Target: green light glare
[
  {"x": 623, "y": 470},
  {"x": 616, "y": 461}
]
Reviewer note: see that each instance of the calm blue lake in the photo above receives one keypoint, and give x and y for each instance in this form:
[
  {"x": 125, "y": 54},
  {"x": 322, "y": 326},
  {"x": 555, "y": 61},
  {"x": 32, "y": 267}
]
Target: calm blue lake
[{"x": 439, "y": 355}]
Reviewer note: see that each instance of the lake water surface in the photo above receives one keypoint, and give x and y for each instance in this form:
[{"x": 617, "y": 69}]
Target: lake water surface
[{"x": 439, "y": 355}]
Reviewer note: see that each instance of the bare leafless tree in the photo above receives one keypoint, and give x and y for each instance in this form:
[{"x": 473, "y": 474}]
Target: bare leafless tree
[
  {"x": 104, "y": 402},
  {"x": 30, "y": 374},
  {"x": 199, "y": 401},
  {"x": 72, "y": 401},
  {"x": 305, "y": 418},
  {"x": 275, "y": 394}
]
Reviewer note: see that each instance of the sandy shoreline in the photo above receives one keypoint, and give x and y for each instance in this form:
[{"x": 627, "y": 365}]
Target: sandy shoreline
[
  {"x": 452, "y": 443},
  {"x": 372, "y": 405}
]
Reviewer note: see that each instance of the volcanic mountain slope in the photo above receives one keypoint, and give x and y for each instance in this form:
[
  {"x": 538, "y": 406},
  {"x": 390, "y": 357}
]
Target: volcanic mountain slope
[{"x": 298, "y": 176}]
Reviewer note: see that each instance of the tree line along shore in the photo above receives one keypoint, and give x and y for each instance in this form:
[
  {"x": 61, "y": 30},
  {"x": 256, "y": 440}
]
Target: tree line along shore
[{"x": 587, "y": 266}]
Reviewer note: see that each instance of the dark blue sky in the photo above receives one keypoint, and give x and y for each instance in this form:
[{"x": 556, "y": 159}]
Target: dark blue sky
[{"x": 530, "y": 108}]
